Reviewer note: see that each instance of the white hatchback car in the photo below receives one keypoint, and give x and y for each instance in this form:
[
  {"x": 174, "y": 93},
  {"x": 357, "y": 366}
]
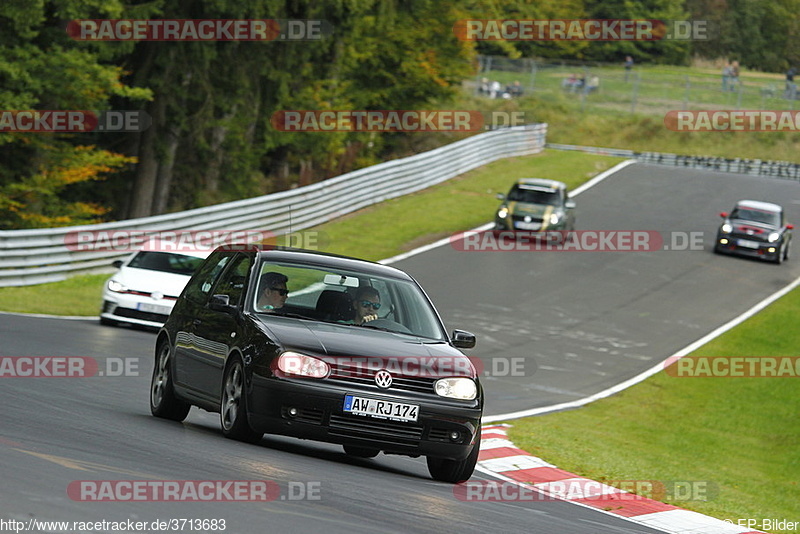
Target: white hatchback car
[{"x": 147, "y": 285}]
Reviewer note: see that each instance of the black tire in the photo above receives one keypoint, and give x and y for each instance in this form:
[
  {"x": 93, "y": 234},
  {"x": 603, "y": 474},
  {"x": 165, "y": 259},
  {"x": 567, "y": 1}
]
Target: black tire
[
  {"x": 233, "y": 405},
  {"x": 360, "y": 452},
  {"x": 163, "y": 402},
  {"x": 787, "y": 251},
  {"x": 781, "y": 254},
  {"x": 455, "y": 471}
]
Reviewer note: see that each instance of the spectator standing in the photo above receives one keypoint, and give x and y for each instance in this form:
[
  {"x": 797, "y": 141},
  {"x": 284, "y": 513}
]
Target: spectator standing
[
  {"x": 628, "y": 66},
  {"x": 726, "y": 76},
  {"x": 734, "y": 75},
  {"x": 791, "y": 87}
]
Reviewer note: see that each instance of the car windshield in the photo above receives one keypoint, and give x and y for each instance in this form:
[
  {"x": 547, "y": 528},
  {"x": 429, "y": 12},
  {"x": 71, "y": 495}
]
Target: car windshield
[
  {"x": 761, "y": 216},
  {"x": 166, "y": 262},
  {"x": 344, "y": 297},
  {"x": 534, "y": 196}
]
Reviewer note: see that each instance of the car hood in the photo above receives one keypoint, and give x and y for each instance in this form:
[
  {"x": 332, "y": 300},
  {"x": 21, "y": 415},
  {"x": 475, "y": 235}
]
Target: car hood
[
  {"x": 148, "y": 281},
  {"x": 343, "y": 343},
  {"x": 752, "y": 228},
  {"x": 542, "y": 211}
]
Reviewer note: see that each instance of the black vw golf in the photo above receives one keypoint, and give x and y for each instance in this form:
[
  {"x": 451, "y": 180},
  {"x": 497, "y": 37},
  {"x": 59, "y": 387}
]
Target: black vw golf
[{"x": 320, "y": 347}]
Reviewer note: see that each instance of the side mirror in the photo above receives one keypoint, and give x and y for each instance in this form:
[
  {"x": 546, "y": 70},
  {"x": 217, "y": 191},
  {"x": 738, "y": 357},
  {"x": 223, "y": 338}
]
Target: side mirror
[
  {"x": 790, "y": 227},
  {"x": 116, "y": 263},
  {"x": 462, "y": 339},
  {"x": 501, "y": 196},
  {"x": 723, "y": 214},
  {"x": 221, "y": 303}
]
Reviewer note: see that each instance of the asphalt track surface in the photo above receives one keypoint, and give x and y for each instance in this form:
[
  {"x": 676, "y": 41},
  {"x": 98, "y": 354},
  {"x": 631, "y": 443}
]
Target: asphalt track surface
[
  {"x": 582, "y": 322},
  {"x": 576, "y": 323}
]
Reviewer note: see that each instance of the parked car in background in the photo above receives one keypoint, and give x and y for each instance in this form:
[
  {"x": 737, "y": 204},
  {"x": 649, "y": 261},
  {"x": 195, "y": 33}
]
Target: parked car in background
[
  {"x": 756, "y": 229},
  {"x": 320, "y": 347},
  {"x": 144, "y": 290},
  {"x": 535, "y": 205}
]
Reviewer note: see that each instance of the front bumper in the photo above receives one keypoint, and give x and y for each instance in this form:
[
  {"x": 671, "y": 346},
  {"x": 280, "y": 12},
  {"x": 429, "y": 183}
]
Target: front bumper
[
  {"x": 742, "y": 246},
  {"x": 134, "y": 309},
  {"x": 320, "y": 417}
]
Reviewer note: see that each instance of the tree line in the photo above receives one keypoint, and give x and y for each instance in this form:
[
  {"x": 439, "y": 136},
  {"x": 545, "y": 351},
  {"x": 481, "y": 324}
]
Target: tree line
[{"x": 211, "y": 103}]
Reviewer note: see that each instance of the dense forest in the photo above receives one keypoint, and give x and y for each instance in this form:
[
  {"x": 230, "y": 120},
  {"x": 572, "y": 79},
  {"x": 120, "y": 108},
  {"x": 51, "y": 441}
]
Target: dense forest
[{"x": 211, "y": 139}]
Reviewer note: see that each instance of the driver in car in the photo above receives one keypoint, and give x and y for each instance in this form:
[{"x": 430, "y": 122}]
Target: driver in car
[
  {"x": 274, "y": 292},
  {"x": 366, "y": 305}
]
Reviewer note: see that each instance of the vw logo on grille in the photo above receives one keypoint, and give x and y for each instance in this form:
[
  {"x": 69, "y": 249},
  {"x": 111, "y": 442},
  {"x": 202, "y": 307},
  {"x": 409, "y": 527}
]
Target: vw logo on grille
[
  {"x": 383, "y": 379},
  {"x": 528, "y": 218}
]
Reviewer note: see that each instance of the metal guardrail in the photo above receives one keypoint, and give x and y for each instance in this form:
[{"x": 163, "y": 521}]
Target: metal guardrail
[
  {"x": 37, "y": 256},
  {"x": 753, "y": 167}
]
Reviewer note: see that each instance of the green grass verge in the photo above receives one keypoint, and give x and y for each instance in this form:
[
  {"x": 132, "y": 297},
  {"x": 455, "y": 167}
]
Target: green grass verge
[
  {"x": 738, "y": 434},
  {"x": 373, "y": 233},
  {"x": 77, "y": 295}
]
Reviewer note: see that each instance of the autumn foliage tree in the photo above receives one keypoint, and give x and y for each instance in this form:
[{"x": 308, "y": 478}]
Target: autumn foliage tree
[{"x": 40, "y": 69}]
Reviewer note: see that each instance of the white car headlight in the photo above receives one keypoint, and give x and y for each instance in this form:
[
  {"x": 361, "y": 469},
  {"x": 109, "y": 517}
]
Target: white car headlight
[
  {"x": 774, "y": 236},
  {"x": 115, "y": 286},
  {"x": 456, "y": 388},
  {"x": 294, "y": 363},
  {"x": 502, "y": 213},
  {"x": 554, "y": 218},
  {"x": 726, "y": 228}
]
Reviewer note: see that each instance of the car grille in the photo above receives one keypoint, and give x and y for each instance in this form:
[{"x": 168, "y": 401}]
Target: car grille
[
  {"x": 762, "y": 238},
  {"x": 366, "y": 378},
  {"x": 144, "y": 316},
  {"x": 533, "y": 218},
  {"x": 371, "y": 428}
]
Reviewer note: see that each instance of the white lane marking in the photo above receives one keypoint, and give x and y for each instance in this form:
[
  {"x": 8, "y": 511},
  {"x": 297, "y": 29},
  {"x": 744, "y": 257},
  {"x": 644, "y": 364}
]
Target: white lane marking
[{"x": 653, "y": 370}]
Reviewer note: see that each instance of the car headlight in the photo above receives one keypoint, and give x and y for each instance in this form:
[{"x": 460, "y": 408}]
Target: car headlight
[
  {"x": 726, "y": 228},
  {"x": 502, "y": 213},
  {"x": 456, "y": 388},
  {"x": 115, "y": 286},
  {"x": 554, "y": 218},
  {"x": 774, "y": 236},
  {"x": 296, "y": 364}
]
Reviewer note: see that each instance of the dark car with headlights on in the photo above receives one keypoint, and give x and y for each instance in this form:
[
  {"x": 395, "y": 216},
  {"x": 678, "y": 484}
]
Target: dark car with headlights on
[
  {"x": 320, "y": 347},
  {"x": 535, "y": 205},
  {"x": 756, "y": 229}
]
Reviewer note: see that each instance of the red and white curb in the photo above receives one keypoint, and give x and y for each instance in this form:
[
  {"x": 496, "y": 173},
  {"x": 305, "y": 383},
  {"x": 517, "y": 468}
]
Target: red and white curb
[{"x": 501, "y": 458}]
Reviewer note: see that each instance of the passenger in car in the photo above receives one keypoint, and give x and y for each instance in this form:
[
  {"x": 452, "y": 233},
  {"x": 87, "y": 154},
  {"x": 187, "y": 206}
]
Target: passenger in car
[{"x": 274, "y": 291}]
